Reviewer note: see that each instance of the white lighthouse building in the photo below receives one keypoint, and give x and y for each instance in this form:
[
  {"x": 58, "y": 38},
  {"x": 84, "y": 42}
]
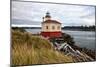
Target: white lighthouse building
[{"x": 50, "y": 28}]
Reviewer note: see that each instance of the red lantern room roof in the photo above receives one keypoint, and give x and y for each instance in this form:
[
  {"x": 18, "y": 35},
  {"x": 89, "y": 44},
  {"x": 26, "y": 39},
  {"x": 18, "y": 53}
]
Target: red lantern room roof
[{"x": 51, "y": 21}]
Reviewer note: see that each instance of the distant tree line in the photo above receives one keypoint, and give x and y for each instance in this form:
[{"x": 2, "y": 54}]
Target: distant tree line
[
  {"x": 18, "y": 29},
  {"x": 81, "y": 28},
  {"x": 28, "y": 27}
]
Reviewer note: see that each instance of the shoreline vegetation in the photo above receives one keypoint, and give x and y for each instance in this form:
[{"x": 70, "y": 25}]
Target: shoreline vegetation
[
  {"x": 74, "y": 28},
  {"x": 80, "y": 28},
  {"x": 28, "y": 49}
]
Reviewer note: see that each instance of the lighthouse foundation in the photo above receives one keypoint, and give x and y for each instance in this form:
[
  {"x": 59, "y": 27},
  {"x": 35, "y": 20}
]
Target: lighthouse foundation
[{"x": 51, "y": 34}]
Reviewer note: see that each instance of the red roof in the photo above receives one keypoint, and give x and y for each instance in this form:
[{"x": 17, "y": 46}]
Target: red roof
[{"x": 51, "y": 21}]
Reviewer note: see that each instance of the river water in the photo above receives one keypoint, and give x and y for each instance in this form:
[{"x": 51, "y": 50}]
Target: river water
[{"x": 85, "y": 39}]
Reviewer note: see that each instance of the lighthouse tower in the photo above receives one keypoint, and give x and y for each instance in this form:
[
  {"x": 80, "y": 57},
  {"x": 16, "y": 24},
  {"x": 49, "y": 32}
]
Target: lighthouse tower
[{"x": 50, "y": 28}]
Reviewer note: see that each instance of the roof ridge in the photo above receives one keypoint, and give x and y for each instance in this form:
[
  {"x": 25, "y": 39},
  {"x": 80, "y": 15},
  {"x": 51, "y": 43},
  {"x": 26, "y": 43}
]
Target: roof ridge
[{"x": 51, "y": 21}]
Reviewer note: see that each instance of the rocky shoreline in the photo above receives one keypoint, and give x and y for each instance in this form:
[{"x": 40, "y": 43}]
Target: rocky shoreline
[{"x": 87, "y": 54}]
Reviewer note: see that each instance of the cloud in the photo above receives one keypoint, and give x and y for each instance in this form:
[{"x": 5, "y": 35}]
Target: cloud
[{"x": 66, "y": 14}]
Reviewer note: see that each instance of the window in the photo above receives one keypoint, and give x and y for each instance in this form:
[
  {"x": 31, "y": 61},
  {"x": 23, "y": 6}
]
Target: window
[
  {"x": 46, "y": 27},
  {"x": 58, "y": 27},
  {"x": 53, "y": 27}
]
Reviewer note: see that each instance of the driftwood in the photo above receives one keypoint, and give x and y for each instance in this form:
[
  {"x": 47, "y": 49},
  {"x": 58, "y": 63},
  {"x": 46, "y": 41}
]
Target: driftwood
[{"x": 76, "y": 54}]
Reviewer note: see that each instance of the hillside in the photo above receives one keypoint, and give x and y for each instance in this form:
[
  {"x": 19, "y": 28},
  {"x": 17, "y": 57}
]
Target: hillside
[{"x": 28, "y": 49}]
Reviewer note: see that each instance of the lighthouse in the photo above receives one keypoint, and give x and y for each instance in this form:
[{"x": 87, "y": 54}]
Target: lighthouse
[{"x": 50, "y": 28}]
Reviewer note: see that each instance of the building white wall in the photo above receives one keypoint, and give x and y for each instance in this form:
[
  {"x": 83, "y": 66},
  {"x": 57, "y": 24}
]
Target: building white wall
[
  {"x": 50, "y": 25},
  {"x": 47, "y": 18}
]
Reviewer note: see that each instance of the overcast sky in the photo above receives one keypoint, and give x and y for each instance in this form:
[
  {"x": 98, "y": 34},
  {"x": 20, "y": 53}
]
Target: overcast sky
[{"x": 31, "y": 13}]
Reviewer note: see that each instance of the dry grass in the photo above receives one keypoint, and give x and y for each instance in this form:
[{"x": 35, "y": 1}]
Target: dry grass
[{"x": 28, "y": 49}]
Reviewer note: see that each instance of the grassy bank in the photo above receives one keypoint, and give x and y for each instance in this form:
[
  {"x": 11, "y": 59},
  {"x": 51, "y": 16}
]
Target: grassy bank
[{"x": 28, "y": 49}]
